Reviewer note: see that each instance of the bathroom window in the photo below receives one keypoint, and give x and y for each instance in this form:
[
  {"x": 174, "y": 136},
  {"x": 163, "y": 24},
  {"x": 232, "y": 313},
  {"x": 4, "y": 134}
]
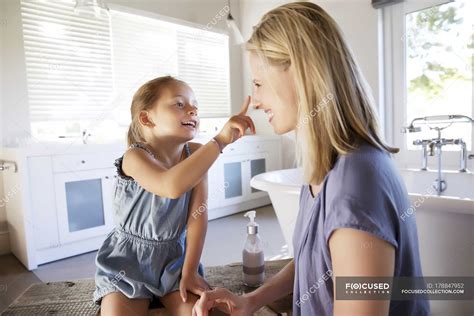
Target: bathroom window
[
  {"x": 82, "y": 71},
  {"x": 68, "y": 66},
  {"x": 438, "y": 50},
  {"x": 147, "y": 46},
  {"x": 428, "y": 70}
]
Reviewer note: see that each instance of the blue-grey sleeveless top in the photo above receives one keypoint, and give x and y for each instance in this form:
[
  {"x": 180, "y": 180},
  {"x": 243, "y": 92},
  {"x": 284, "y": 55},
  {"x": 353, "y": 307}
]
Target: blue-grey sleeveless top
[{"x": 363, "y": 191}]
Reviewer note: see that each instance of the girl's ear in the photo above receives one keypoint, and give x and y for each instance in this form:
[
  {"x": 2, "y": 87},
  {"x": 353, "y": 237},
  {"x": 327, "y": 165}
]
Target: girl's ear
[{"x": 145, "y": 119}]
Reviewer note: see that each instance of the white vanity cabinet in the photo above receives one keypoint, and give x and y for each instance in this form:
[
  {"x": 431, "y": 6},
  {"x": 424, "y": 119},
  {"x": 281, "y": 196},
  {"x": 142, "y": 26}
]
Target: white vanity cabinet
[
  {"x": 229, "y": 178},
  {"x": 62, "y": 204},
  {"x": 60, "y": 198}
]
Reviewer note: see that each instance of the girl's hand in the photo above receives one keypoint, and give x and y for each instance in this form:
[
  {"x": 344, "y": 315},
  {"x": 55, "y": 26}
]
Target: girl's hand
[
  {"x": 225, "y": 301},
  {"x": 236, "y": 126},
  {"x": 193, "y": 283}
]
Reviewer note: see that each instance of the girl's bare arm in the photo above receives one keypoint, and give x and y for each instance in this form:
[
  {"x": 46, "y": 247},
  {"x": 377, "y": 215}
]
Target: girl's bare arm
[
  {"x": 197, "y": 226},
  {"x": 182, "y": 177},
  {"x": 173, "y": 182}
]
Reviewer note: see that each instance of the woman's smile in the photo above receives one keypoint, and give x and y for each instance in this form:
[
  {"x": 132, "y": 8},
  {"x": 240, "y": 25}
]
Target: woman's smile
[{"x": 270, "y": 115}]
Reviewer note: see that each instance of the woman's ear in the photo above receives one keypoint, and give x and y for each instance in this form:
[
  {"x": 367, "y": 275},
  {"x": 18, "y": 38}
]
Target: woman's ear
[{"x": 145, "y": 120}]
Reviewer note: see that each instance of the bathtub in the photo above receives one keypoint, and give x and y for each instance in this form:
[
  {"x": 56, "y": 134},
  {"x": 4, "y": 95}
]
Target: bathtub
[
  {"x": 283, "y": 187},
  {"x": 445, "y": 223}
]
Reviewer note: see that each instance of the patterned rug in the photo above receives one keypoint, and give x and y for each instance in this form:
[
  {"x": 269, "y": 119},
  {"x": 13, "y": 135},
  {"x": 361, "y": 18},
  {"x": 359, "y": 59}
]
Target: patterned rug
[{"x": 75, "y": 297}]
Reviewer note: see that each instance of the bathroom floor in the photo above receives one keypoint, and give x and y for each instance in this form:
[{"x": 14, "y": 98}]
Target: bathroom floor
[{"x": 224, "y": 242}]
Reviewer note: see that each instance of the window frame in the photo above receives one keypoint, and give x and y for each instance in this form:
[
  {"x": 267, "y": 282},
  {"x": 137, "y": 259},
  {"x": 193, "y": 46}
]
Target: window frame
[{"x": 394, "y": 85}]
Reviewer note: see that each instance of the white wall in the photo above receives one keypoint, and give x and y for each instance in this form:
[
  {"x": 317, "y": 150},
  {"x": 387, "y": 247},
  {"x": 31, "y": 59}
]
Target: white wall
[
  {"x": 358, "y": 21},
  {"x": 15, "y": 117},
  {"x": 4, "y": 246},
  {"x": 14, "y": 112}
]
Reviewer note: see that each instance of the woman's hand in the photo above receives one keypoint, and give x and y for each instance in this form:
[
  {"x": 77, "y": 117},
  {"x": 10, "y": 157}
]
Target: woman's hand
[
  {"x": 236, "y": 126},
  {"x": 193, "y": 283},
  {"x": 225, "y": 301}
]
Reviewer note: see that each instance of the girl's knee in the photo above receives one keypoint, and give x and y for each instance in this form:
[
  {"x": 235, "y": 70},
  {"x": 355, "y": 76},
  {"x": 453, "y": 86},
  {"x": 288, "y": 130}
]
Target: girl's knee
[
  {"x": 118, "y": 304},
  {"x": 176, "y": 307}
]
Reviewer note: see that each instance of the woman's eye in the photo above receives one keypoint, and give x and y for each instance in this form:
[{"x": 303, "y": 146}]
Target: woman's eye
[
  {"x": 257, "y": 84},
  {"x": 180, "y": 104}
]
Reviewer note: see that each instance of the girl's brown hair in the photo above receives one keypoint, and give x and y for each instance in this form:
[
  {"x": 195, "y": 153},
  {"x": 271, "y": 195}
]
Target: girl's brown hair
[
  {"x": 335, "y": 105},
  {"x": 144, "y": 99}
]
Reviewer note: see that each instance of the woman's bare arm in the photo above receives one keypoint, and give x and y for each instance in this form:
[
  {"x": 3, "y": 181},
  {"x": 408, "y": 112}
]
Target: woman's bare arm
[
  {"x": 358, "y": 253},
  {"x": 277, "y": 287}
]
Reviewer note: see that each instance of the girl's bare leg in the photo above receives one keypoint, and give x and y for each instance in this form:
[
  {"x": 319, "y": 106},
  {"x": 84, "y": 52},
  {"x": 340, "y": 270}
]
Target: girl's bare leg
[
  {"x": 175, "y": 306},
  {"x": 117, "y": 304}
]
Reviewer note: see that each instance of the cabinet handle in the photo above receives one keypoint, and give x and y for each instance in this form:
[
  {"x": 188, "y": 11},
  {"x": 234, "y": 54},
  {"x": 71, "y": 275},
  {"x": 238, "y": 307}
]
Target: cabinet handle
[
  {"x": 5, "y": 165},
  {"x": 106, "y": 177},
  {"x": 83, "y": 161}
]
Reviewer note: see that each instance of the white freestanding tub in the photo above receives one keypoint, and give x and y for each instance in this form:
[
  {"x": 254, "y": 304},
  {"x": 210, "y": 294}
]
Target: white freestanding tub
[
  {"x": 283, "y": 187},
  {"x": 445, "y": 224}
]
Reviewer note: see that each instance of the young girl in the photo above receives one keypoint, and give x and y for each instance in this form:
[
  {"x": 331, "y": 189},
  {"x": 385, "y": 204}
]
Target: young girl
[{"x": 154, "y": 250}]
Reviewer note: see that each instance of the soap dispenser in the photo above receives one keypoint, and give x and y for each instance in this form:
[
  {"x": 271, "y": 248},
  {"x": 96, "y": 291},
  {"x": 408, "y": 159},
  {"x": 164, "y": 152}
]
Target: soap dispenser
[{"x": 252, "y": 255}]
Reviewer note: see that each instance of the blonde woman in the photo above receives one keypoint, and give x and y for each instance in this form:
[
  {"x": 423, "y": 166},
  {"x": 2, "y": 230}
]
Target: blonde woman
[{"x": 349, "y": 224}]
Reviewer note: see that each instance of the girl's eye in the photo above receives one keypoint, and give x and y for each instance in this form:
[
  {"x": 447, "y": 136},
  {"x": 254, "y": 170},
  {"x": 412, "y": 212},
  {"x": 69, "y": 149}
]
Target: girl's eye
[
  {"x": 180, "y": 104},
  {"x": 257, "y": 84}
]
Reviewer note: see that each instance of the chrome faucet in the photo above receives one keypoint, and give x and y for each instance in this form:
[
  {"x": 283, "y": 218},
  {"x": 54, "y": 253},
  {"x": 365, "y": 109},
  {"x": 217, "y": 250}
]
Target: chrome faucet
[
  {"x": 84, "y": 136},
  {"x": 424, "y": 151},
  {"x": 432, "y": 147},
  {"x": 462, "y": 154}
]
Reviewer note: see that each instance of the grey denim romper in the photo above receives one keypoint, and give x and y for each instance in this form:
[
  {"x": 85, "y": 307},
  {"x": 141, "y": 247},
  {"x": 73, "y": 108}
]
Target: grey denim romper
[{"x": 143, "y": 255}]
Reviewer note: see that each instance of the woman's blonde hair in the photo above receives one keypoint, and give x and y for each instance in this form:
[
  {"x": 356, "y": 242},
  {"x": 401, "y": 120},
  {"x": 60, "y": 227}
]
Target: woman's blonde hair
[
  {"x": 144, "y": 99},
  {"x": 335, "y": 106}
]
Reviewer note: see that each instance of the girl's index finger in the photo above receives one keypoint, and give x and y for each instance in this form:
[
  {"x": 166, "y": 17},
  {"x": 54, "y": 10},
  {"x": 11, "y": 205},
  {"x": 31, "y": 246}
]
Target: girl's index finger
[{"x": 245, "y": 106}]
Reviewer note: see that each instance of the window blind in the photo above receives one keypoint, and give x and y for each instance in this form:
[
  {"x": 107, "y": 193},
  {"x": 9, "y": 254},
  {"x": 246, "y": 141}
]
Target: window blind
[
  {"x": 68, "y": 61},
  {"x": 80, "y": 67},
  {"x": 146, "y": 47}
]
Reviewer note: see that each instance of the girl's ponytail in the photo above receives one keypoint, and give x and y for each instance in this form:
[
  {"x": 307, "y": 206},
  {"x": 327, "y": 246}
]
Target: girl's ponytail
[{"x": 134, "y": 133}]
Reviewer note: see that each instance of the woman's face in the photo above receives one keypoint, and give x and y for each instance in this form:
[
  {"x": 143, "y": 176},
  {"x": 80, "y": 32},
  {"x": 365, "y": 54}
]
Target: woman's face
[
  {"x": 275, "y": 93},
  {"x": 175, "y": 113}
]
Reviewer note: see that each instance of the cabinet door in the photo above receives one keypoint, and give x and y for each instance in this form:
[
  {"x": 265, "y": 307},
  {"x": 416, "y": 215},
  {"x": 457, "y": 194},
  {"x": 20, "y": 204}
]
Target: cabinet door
[
  {"x": 43, "y": 203},
  {"x": 215, "y": 187},
  {"x": 257, "y": 164},
  {"x": 84, "y": 204},
  {"x": 231, "y": 188}
]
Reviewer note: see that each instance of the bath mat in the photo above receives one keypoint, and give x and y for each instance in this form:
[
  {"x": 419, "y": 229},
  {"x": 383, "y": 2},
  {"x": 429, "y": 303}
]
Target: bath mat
[{"x": 75, "y": 297}]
